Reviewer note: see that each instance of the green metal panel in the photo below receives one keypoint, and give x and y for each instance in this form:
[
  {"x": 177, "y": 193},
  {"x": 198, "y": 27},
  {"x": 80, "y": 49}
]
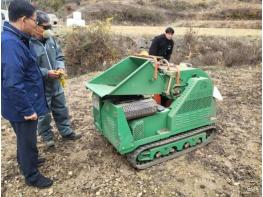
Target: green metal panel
[
  {"x": 194, "y": 108},
  {"x": 107, "y": 81},
  {"x": 131, "y": 76},
  {"x": 115, "y": 127},
  {"x": 100, "y": 89},
  {"x": 109, "y": 124},
  {"x": 118, "y": 72},
  {"x": 137, "y": 128},
  {"x": 141, "y": 82},
  {"x": 96, "y": 101},
  {"x": 150, "y": 125}
]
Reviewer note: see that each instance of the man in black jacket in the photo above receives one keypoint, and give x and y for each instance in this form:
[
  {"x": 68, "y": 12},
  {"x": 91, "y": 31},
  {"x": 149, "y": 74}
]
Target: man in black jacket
[{"x": 162, "y": 45}]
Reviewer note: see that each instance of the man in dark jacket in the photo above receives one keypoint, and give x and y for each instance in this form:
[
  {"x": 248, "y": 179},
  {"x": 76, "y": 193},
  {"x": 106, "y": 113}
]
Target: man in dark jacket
[
  {"x": 50, "y": 59},
  {"x": 23, "y": 99},
  {"x": 163, "y": 44}
]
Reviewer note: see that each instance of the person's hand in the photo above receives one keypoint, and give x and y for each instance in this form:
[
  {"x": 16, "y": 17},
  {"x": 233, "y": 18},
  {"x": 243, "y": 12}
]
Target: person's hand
[
  {"x": 61, "y": 71},
  {"x": 53, "y": 74},
  {"x": 31, "y": 117}
]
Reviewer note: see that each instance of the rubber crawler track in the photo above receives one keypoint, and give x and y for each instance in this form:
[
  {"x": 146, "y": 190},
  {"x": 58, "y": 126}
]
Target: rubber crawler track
[{"x": 132, "y": 157}]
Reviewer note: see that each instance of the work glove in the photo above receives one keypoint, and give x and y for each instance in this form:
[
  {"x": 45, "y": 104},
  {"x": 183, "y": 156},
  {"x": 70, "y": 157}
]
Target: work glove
[{"x": 62, "y": 76}]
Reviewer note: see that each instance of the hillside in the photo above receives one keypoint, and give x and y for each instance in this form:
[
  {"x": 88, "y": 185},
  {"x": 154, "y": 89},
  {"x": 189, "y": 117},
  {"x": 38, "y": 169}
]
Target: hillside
[{"x": 156, "y": 12}]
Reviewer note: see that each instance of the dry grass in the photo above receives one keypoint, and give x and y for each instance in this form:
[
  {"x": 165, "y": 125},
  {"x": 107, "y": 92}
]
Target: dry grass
[
  {"x": 236, "y": 24},
  {"x": 122, "y": 13},
  {"x": 87, "y": 49},
  {"x": 200, "y": 50},
  {"x": 92, "y": 48},
  {"x": 243, "y": 13},
  {"x": 207, "y": 10},
  {"x": 231, "y": 47},
  {"x": 179, "y": 31},
  {"x": 160, "y": 11}
]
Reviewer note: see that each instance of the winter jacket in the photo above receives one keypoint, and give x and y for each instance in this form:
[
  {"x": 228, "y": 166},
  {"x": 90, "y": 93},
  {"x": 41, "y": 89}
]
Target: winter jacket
[
  {"x": 49, "y": 57},
  {"x": 161, "y": 46},
  {"x": 22, "y": 84}
]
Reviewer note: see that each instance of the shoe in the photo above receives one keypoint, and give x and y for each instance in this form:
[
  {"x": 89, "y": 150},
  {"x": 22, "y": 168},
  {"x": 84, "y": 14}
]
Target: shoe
[
  {"x": 50, "y": 143},
  {"x": 72, "y": 136},
  {"x": 41, "y": 182}
]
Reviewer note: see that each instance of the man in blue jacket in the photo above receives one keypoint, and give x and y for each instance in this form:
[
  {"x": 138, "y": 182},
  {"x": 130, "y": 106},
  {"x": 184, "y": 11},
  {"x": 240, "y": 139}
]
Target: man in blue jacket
[{"x": 23, "y": 99}]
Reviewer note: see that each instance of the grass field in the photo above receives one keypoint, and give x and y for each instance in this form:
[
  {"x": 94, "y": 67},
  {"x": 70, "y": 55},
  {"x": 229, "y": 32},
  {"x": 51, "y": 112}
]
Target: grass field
[{"x": 155, "y": 30}]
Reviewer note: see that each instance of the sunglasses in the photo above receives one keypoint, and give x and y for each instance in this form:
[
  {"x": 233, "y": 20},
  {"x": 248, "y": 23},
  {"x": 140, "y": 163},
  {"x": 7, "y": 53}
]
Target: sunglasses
[{"x": 46, "y": 27}]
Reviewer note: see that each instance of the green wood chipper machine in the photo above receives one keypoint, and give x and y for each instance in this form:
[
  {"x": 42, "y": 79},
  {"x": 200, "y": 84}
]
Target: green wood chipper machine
[{"x": 151, "y": 110}]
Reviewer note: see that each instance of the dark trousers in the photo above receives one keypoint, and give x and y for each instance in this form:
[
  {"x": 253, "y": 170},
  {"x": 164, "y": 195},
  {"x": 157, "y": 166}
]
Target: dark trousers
[
  {"x": 57, "y": 105},
  {"x": 27, "y": 153}
]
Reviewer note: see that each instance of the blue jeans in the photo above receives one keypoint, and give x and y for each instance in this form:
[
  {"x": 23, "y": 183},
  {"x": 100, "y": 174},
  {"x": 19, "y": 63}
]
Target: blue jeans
[
  {"x": 59, "y": 110},
  {"x": 27, "y": 153}
]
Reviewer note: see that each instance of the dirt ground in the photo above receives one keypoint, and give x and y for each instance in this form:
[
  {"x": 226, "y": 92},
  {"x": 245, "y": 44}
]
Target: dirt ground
[{"x": 230, "y": 166}]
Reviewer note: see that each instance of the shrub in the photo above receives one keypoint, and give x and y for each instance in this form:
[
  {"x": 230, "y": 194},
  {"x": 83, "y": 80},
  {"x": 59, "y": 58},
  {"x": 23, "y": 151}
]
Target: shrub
[
  {"x": 87, "y": 49},
  {"x": 236, "y": 14},
  {"x": 236, "y": 53},
  {"x": 228, "y": 52},
  {"x": 93, "y": 48},
  {"x": 124, "y": 13},
  {"x": 174, "y": 5},
  {"x": 49, "y": 5}
]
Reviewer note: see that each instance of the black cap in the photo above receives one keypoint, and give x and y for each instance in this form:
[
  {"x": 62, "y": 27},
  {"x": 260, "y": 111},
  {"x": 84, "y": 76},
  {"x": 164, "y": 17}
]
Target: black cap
[{"x": 42, "y": 17}]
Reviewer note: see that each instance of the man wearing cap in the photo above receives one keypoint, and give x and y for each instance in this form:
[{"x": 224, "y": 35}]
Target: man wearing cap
[
  {"x": 51, "y": 62},
  {"x": 163, "y": 44}
]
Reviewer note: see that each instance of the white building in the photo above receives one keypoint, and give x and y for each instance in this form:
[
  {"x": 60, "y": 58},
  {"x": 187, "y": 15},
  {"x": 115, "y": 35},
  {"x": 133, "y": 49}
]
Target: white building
[{"x": 76, "y": 20}]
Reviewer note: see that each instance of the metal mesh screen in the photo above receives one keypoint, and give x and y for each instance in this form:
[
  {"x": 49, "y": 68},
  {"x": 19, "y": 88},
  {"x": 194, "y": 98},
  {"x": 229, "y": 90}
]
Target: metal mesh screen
[{"x": 141, "y": 108}]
